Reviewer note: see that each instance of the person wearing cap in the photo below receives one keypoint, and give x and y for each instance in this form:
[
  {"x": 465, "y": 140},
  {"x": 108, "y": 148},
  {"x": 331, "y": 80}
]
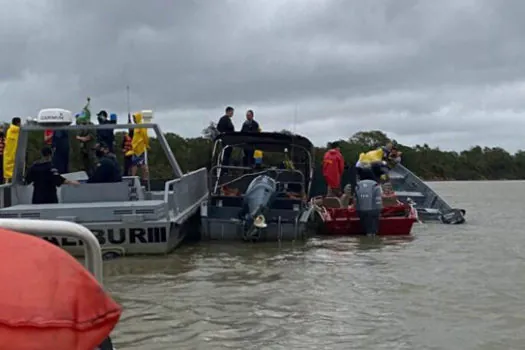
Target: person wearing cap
[
  {"x": 45, "y": 179},
  {"x": 105, "y": 135},
  {"x": 107, "y": 168}
]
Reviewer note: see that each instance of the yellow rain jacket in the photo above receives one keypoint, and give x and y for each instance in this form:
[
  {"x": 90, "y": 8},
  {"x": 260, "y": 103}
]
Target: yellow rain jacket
[
  {"x": 11, "y": 142},
  {"x": 370, "y": 157},
  {"x": 140, "y": 140}
]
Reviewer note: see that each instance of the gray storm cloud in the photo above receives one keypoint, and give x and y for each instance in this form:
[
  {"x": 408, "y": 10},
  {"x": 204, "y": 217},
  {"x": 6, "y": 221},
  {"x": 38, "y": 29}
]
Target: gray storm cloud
[{"x": 448, "y": 73}]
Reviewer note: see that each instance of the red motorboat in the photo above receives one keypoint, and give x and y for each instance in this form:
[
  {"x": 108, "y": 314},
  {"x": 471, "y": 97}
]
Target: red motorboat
[{"x": 396, "y": 218}]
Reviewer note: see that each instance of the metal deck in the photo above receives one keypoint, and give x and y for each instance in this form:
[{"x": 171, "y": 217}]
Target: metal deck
[{"x": 88, "y": 212}]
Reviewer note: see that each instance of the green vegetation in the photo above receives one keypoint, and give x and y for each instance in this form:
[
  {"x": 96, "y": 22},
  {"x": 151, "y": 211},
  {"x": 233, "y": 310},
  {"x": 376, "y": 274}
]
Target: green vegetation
[{"x": 429, "y": 163}]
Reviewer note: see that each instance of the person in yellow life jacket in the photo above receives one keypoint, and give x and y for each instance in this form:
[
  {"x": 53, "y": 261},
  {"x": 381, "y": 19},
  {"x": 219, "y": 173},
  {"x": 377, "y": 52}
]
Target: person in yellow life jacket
[
  {"x": 11, "y": 143},
  {"x": 139, "y": 146},
  {"x": 372, "y": 166},
  {"x": 128, "y": 158}
]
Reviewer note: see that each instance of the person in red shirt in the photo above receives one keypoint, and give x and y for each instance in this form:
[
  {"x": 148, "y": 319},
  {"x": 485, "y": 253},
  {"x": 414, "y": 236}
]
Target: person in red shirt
[
  {"x": 333, "y": 168},
  {"x": 48, "y": 137}
]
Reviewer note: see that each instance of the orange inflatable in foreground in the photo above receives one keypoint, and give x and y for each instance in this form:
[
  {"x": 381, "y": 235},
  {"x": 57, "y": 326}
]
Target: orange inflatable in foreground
[{"x": 48, "y": 300}]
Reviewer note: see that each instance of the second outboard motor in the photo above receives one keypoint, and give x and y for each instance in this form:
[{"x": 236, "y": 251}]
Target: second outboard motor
[
  {"x": 257, "y": 200},
  {"x": 369, "y": 203},
  {"x": 453, "y": 217}
]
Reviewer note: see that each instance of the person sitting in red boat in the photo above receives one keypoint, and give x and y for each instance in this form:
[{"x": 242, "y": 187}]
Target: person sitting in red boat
[
  {"x": 333, "y": 168},
  {"x": 394, "y": 157}
]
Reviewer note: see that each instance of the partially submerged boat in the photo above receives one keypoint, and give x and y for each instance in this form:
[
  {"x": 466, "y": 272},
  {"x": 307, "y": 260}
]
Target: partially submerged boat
[
  {"x": 265, "y": 202},
  {"x": 383, "y": 215},
  {"x": 410, "y": 189},
  {"x": 126, "y": 217}
]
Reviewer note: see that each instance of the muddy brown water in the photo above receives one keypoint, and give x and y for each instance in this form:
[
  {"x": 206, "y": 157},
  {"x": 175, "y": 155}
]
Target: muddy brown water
[{"x": 451, "y": 287}]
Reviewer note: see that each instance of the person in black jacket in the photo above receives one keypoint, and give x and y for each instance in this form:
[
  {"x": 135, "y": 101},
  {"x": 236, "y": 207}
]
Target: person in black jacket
[
  {"x": 105, "y": 135},
  {"x": 60, "y": 145},
  {"x": 107, "y": 168},
  {"x": 45, "y": 179},
  {"x": 249, "y": 126},
  {"x": 225, "y": 124}
]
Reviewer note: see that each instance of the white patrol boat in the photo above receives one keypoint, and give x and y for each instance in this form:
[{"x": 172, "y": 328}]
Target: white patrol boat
[{"x": 126, "y": 217}]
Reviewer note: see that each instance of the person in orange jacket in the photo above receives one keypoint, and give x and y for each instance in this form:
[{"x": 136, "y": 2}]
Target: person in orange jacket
[{"x": 333, "y": 168}]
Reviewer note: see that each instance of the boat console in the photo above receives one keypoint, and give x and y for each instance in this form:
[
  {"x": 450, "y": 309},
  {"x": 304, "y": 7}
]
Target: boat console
[{"x": 223, "y": 216}]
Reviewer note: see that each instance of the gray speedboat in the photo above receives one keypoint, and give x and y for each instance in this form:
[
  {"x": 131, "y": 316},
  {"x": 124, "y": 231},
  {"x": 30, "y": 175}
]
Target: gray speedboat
[
  {"x": 430, "y": 206},
  {"x": 126, "y": 217},
  {"x": 260, "y": 203}
]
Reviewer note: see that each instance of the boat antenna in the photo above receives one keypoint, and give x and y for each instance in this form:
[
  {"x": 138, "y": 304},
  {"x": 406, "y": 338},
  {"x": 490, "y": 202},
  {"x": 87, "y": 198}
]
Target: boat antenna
[
  {"x": 294, "y": 127},
  {"x": 128, "y": 99},
  {"x": 295, "y": 118}
]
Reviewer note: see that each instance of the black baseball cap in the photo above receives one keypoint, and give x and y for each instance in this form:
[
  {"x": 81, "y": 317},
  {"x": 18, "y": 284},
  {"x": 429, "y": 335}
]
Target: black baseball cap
[{"x": 102, "y": 113}]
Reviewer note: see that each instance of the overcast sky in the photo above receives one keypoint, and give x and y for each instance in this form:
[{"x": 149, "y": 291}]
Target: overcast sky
[{"x": 450, "y": 73}]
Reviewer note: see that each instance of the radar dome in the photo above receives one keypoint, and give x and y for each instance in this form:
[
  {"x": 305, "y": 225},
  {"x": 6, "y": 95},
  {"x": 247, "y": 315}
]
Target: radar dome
[{"x": 54, "y": 116}]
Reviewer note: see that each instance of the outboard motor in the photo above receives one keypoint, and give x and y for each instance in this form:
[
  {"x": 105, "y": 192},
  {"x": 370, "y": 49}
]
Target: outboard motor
[
  {"x": 257, "y": 200},
  {"x": 369, "y": 203},
  {"x": 453, "y": 217}
]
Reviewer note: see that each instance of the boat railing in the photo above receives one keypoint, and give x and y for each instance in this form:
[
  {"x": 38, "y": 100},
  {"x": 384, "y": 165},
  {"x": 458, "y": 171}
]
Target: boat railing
[
  {"x": 184, "y": 194},
  {"x": 215, "y": 183},
  {"x": 42, "y": 228},
  {"x": 5, "y": 195}
]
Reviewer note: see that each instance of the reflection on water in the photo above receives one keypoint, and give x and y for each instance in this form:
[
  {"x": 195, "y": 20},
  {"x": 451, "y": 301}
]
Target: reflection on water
[{"x": 452, "y": 287}]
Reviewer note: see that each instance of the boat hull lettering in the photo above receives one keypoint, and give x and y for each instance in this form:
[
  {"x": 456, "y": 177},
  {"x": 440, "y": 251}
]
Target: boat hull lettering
[{"x": 119, "y": 236}]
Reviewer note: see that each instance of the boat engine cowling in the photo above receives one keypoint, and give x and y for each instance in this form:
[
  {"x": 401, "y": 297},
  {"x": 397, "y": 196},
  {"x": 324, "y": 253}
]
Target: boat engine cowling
[
  {"x": 256, "y": 203},
  {"x": 368, "y": 205},
  {"x": 453, "y": 217}
]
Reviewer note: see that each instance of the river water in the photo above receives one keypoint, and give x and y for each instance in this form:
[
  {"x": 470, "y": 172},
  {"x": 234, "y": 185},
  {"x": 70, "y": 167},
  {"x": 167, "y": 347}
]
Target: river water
[{"x": 451, "y": 287}]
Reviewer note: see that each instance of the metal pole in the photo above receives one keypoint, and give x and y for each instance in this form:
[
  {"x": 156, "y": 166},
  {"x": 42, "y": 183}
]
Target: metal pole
[
  {"x": 147, "y": 166},
  {"x": 128, "y": 103}
]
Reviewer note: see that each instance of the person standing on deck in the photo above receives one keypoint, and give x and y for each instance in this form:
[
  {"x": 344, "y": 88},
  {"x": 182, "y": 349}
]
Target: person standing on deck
[
  {"x": 225, "y": 124},
  {"x": 249, "y": 126},
  {"x": 105, "y": 136},
  {"x": 2, "y": 147},
  {"x": 333, "y": 168},
  {"x": 60, "y": 145},
  {"x": 139, "y": 146},
  {"x": 48, "y": 137},
  {"x": 126, "y": 148},
  {"x": 87, "y": 139},
  {"x": 45, "y": 179},
  {"x": 11, "y": 143}
]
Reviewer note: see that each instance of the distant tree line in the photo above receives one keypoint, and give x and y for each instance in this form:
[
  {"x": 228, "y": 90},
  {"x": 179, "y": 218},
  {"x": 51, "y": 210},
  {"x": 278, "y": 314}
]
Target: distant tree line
[{"x": 477, "y": 163}]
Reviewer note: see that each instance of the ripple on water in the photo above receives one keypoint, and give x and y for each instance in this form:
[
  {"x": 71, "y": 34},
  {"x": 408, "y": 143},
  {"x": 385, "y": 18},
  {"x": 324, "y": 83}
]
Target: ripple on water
[{"x": 452, "y": 287}]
